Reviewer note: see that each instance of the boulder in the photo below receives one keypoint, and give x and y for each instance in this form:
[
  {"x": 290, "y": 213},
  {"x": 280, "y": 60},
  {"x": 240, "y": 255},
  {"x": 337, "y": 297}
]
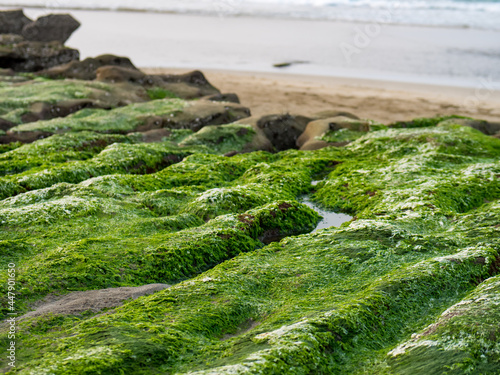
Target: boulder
[
  {"x": 25, "y": 56},
  {"x": 13, "y": 21},
  {"x": 87, "y": 69},
  {"x": 53, "y": 27}
]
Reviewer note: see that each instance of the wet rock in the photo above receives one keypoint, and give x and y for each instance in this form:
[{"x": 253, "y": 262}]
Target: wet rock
[
  {"x": 53, "y": 27},
  {"x": 87, "y": 69},
  {"x": 47, "y": 111},
  {"x": 26, "y": 56},
  {"x": 232, "y": 98},
  {"x": 488, "y": 128},
  {"x": 13, "y": 21},
  {"x": 283, "y": 130}
]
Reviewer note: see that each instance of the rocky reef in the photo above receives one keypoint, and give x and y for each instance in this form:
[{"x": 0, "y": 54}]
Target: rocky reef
[{"x": 156, "y": 227}]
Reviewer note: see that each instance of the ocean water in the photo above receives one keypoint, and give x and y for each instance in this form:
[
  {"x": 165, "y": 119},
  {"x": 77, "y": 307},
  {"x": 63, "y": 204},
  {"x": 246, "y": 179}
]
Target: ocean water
[{"x": 484, "y": 14}]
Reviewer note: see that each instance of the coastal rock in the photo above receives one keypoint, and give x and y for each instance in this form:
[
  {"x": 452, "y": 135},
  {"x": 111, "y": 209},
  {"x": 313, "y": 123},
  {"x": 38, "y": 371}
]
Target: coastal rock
[
  {"x": 229, "y": 97},
  {"x": 53, "y": 27},
  {"x": 26, "y": 56},
  {"x": 75, "y": 303},
  {"x": 13, "y": 21},
  {"x": 46, "y": 111},
  {"x": 118, "y": 74},
  {"x": 334, "y": 113},
  {"x": 335, "y": 131},
  {"x": 5, "y": 124},
  {"x": 185, "y": 86},
  {"x": 230, "y": 139},
  {"x": 488, "y": 128},
  {"x": 87, "y": 69},
  {"x": 140, "y": 117},
  {"x": 45, "y": 99},
  {"x": 195, "y": 116},
  {"x": 282, "y": 129}
]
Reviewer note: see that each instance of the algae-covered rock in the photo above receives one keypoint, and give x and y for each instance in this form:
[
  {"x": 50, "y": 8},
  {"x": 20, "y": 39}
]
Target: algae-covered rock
[
  {"x": 155, "y": 114},
  {"x": 230, "y": 138},
  {"x": 43, "y": 99},
  {"x": 408, "y": 286},
  {"x": 334, "y": 131}
]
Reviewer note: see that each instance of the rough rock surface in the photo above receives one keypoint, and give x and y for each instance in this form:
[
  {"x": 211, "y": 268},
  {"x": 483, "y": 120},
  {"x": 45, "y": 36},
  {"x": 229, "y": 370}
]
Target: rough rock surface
[
  {"x": 185, "y": 86},
  {"x": 86, "y": 69},
  {"x": 53, "y": 27},
  {"x": 13, "y": 21},
  {"x": 28, "y": 56},
  {"x": 93, "y": 300}
]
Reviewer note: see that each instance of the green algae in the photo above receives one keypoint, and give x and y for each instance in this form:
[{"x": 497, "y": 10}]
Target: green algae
[
  {"x": 17, "y": 99},
  {"x": 221, "y": 138},
  {"x": 123, "y": 119},
  {"x": 340, "y": 300},
  {"x": 113, "y": 159}
]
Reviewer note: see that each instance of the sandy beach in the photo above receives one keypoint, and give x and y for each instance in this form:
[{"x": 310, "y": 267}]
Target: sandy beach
[{"x": 384, "y": 101}]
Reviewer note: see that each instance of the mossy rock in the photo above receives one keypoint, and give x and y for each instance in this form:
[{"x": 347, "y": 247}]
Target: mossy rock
[{"x": 408, "y": 286}]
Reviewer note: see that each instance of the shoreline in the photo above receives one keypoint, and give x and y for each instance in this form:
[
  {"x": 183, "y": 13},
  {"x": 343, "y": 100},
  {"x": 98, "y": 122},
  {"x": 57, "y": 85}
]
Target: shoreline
[
  {"x": 437, "y": 55},
  {"x": 385, "y": 101},
  {"x": 237, "y": 15}
]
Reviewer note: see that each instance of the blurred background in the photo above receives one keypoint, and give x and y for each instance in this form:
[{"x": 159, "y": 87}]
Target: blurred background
[{"x": 447, "y": 42}]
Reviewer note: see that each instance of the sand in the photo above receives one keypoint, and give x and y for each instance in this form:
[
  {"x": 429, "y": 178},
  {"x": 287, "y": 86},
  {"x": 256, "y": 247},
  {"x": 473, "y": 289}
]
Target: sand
[{"x": 385, "y": 101}]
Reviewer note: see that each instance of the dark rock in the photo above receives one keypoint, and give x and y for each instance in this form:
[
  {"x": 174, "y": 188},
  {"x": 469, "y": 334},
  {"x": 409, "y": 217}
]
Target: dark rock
[
  {"x": 13, "y": 21},
  {"x": 23, "y": 137},
  {"x": 189, "y": 85},
  {"x": 24, "y": 56},
  {"x": 47, "y": 111},
  {"x": 53, "y": 27},
  {"x": 195, "y": 116},
  {"x": 6, "y": 125},
  {"x": 231, "y": 98},
  {"x": 185, "y": 86},
  {"x": 283, "y": 130},
  {"x": 87, "y": 69}
]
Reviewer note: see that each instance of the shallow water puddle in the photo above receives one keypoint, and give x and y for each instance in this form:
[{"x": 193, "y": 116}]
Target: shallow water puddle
[{"x": 330, "y": 219}]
